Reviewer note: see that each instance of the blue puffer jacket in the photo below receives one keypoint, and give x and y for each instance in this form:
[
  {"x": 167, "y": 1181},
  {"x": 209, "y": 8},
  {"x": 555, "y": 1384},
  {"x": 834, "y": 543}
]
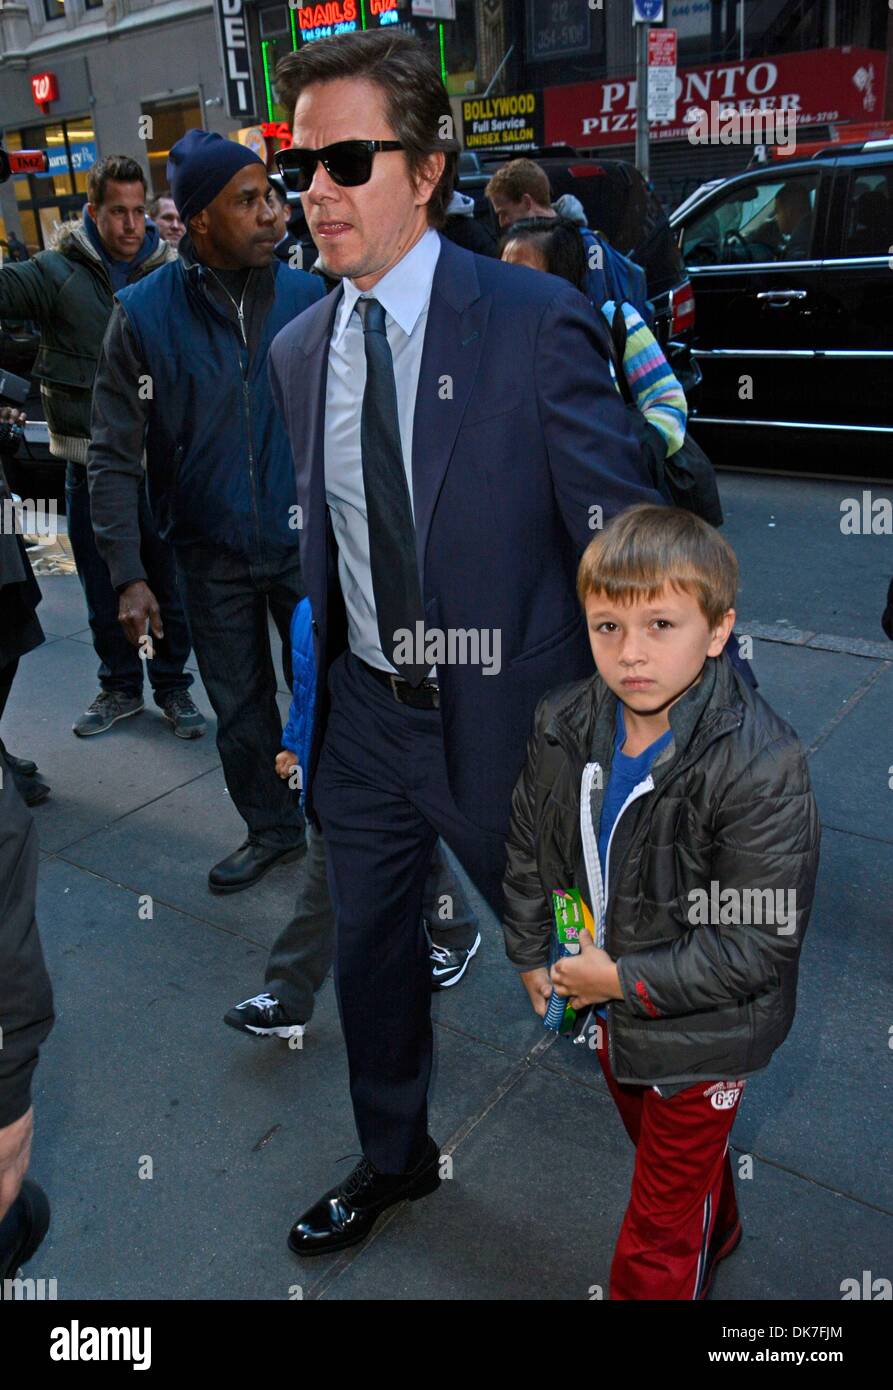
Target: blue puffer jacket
[
  {"x": 298, "y": 733},
  {"x": 219, "y": 466}
]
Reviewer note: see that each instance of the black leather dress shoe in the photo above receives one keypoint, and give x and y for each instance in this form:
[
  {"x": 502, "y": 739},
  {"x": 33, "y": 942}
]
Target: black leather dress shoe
[
  {"x": 248, "y": 864},
  {"x": 23, "y": 767},
  {"x": 23, "y": 1228},
  {"x": 347, "y": 1213}
]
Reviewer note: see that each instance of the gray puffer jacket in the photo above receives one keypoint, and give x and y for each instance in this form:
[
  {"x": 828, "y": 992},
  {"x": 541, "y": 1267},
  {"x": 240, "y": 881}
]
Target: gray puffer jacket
[{"x": 709, "y": 976}]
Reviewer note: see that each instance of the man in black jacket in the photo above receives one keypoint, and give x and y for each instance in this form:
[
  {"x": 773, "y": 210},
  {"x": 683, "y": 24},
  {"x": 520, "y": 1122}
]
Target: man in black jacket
[
  {"x": 26, "y": 1017},
  {"x": 218, "y": 469}
]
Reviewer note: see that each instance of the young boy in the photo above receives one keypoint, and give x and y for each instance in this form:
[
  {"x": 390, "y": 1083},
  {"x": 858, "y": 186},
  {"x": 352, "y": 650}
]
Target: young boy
[{"x": 669, "y": 793}]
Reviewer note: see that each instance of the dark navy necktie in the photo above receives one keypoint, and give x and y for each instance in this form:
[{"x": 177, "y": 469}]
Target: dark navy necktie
[{"x": 392, "y": 548}]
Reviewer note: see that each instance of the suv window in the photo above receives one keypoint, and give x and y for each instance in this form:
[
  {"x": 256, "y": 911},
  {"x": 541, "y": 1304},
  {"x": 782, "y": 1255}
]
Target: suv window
[
  {"x": 769, "y": 220},
  {"x": 869, "y": 222}
]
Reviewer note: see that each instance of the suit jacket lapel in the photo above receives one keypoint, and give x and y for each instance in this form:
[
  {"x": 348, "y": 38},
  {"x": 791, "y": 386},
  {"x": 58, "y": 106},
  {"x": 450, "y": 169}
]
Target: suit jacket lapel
[
  {"x": 454, "y": 340},
  {"x": 310, "y": 415}
]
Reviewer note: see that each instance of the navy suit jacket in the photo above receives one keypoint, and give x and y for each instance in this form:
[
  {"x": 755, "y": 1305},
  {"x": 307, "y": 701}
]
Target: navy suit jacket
[{"x": 518, "y": 435}]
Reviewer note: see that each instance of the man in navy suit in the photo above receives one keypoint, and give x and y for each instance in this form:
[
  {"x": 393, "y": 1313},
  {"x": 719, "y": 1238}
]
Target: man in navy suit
[{"x": 457, "y": 439}]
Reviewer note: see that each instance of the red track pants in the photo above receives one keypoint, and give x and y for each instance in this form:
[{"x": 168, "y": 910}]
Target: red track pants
[{"x": 682, "y": 1215}]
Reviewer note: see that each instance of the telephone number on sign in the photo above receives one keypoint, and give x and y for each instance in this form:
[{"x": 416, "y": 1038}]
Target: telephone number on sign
[{"x": 567, "y": 36}]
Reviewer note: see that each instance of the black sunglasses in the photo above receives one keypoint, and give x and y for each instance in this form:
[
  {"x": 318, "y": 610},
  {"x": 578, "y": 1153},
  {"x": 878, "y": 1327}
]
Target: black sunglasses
[{"x": 348, "y": 162}]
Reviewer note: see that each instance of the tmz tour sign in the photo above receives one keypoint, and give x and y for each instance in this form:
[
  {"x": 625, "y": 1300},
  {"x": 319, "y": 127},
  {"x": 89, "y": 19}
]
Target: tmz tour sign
[
  {"x": 834, "y": 84},
  {"x": 512, "y": 122}
]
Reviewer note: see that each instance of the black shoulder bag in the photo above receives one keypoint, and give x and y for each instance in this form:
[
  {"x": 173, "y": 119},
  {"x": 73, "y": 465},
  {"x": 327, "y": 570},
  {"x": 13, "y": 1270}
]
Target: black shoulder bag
[{"x": 687, "y": 478}]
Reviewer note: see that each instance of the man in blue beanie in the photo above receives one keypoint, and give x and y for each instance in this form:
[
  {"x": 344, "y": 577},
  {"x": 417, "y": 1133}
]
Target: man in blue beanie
[{"x": 183, "y": 376}]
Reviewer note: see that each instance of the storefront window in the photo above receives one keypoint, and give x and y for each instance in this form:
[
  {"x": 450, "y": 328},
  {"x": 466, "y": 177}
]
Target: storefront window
[
  {"x": 59, "y": 194},
  {"x": 170, "y": 121}
]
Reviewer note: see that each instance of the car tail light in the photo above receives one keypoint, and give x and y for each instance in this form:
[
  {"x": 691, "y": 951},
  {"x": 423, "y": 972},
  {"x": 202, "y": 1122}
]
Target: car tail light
[
  {"x": 585, "y": 171},
  {"x": 682, "y": 308}
]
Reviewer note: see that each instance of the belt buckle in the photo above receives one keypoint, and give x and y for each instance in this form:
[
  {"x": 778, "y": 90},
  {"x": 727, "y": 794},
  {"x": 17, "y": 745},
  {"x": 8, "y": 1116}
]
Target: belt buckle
[{"x": 394, "y": 690}]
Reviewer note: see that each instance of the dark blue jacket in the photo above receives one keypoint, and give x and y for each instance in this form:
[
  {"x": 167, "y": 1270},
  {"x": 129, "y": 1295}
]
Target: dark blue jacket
[
  {"x": 509, "y": 467},
  {"x": 218, "y": 460}
]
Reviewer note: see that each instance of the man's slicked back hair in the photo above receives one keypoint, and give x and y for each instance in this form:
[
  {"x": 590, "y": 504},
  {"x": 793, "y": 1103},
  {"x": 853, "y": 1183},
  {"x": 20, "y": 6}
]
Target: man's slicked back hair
[
  {"x": 118, "y": 167},
  {"x": 416, "y": 101}
]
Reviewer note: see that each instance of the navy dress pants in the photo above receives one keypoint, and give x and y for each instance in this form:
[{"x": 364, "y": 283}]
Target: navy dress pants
[{"x": 382, "y": 798}]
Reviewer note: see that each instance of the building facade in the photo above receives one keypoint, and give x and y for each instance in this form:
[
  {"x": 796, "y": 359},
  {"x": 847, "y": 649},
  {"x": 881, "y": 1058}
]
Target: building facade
[{"x": 87, "y": 78}]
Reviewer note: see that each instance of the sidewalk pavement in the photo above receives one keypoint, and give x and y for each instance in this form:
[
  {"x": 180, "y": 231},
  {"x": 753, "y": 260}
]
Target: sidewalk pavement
[{"x": 141, "y": 1077}]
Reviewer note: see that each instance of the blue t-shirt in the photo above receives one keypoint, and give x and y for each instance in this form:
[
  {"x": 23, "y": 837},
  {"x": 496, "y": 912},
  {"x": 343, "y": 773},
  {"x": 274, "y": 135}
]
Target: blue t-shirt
[{"x": 626, "y": 773}]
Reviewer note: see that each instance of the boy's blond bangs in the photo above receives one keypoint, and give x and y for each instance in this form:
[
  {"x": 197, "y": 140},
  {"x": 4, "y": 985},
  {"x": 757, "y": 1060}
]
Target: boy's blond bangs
[{"x": 647, "y": 547}]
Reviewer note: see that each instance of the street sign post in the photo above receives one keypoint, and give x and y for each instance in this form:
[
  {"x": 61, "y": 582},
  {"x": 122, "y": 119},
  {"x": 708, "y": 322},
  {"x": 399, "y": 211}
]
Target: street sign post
[{"x": 661, "y": 74}]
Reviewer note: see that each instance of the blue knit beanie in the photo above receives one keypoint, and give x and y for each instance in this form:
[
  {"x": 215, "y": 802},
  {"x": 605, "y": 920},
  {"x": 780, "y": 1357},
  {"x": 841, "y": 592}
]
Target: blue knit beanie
[{"x": 199, "y": 165}]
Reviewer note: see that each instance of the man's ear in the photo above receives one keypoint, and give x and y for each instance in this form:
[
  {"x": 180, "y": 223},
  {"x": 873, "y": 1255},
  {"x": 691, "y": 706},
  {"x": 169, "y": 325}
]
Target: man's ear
[
  {"x": 428, "y": 175},
  {"x": 198, "y": 223}
]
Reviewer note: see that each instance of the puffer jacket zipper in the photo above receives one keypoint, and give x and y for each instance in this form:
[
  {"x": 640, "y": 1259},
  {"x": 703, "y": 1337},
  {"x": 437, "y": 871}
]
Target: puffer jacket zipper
[
  {"x": 640, "y": 790},
  {"x": 598, "y": 890},
  {"x": 246, "y": 398}
]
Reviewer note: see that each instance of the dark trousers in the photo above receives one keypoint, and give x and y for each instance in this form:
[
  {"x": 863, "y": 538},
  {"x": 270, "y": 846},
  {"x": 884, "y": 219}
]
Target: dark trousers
[
  {"x": 228, "y": 600},
  {"x": 7, "y": 676},
  {"x": 382, "y": 796},
  {"x": 301, "y": 955},
  {"x": 120, "y": 664}
]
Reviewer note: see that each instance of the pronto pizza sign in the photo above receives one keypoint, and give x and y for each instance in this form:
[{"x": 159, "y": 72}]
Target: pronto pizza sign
[{"x": 827, "y": 85}]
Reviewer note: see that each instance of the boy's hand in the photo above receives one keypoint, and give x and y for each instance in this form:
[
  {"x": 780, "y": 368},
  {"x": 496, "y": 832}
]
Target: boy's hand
[
  {"x": 539, "y": 988},
  {"x": 286, "y": 763},
  {"x": 589, "y": 978}
]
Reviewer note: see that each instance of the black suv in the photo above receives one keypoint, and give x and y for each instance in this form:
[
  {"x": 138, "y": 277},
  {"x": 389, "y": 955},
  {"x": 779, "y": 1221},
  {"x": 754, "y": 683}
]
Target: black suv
[{"x": 792, "y": 268}]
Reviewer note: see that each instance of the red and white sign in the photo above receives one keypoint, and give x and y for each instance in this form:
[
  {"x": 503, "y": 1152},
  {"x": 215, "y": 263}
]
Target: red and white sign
[
  {"x": 661, "y": 74},
  {"x": 44, "y": 89},
  {"x": 823, "y": 86}
]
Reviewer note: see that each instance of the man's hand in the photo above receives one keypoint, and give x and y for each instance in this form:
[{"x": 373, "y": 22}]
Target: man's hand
[
  {"x": 15, "y": 1151},
  {"x": 539, "y": 988},
  {"x": 286, "y": 763},
  {"x": 589, "y": 978},
  {"x": 137, "y": 605}
]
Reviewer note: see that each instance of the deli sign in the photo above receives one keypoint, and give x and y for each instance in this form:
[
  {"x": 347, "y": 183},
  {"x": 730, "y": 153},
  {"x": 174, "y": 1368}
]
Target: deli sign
[
  {"x": 822, "y": 86},
  {"x": 235, "y": 58}
]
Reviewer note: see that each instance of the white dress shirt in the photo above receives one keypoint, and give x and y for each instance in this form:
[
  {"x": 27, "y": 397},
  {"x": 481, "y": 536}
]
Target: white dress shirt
[{"x": 404, "y": 293}]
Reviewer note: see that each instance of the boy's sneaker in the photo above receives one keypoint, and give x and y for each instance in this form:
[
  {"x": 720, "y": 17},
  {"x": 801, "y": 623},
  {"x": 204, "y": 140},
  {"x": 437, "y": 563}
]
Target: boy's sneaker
[
  {"x": 721, "y": 1245},
  {"x": 448, "y": 967},
  {"x": 108, "y": 707},
  {"x": 264, "y": 1016},
  {"x": 181, "y": 713}
]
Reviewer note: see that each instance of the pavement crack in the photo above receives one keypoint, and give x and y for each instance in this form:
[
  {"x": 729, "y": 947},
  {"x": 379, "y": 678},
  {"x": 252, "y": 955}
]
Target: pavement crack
[{"x": 861, "y": 690}]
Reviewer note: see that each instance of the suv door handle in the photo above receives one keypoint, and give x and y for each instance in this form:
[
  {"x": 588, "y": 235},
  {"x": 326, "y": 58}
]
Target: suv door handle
[{"x": 777, "y": 297}]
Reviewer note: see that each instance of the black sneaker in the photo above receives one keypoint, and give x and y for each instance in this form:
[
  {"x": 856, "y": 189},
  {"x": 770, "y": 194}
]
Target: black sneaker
[
  {"x": 448, "y": 967},
  {"x": 181, "y": 713},
  {"x": 108, "y": 707},
  {"x": 264, "y": 1016}
]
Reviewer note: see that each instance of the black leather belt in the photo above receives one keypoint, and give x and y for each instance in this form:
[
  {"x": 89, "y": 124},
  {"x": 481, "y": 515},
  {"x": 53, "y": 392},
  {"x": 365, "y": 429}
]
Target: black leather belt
[{"x": 424, "y": 696}]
